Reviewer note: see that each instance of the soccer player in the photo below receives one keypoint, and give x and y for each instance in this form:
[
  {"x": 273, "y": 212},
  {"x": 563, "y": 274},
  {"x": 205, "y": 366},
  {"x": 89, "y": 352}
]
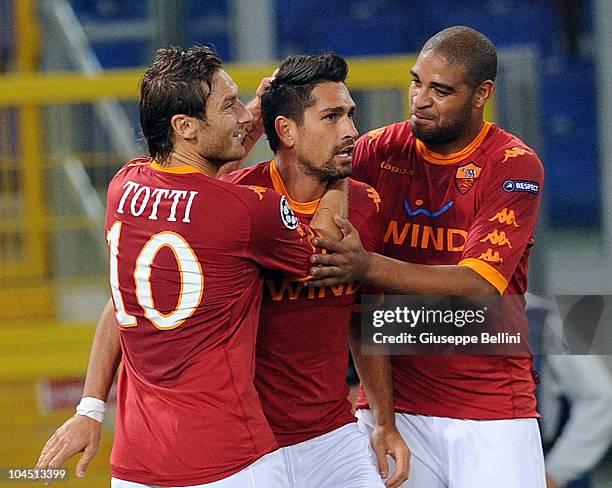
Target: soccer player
[
  {"x": 460, "y": 200},
  {"x": 302, "y": 343},
  {"x": 186, "y": 253}
]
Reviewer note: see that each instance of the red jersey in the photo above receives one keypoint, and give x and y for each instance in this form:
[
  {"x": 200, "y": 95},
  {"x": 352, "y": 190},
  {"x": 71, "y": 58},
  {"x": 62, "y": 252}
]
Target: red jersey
[
  {"x": 476, "y": 208},
  {"x": 186, "y": 252},
  {"x": 302, "y": 343}
]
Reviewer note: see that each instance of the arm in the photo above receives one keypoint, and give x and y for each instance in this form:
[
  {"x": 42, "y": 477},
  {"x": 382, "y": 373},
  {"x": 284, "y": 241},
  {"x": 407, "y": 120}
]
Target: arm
[
  {"x": 334, "y": 201},
  {"x": 82, "y": 433},
  {"x": 375, "y": 374},
  {"x": 350, "y": 261}
]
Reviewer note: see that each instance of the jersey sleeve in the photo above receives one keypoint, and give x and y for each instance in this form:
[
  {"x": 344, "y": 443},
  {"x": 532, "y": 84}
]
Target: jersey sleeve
[
  {"x": 367, "y": 219},
  {"x": 506, "y": 219},
  {"x": 365, "y": 157},
  {"x": 278, "y": 240}
]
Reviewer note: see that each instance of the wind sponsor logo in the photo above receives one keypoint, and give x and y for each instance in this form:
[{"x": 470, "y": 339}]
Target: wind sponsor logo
[
  {"x": 294, "y": 290},
  {"x": 425, "y": 236}
]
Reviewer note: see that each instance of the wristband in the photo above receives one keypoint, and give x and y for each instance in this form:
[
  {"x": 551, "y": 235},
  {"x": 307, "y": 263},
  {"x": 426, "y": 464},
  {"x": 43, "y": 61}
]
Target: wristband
[{"x": 91, "y": 407}]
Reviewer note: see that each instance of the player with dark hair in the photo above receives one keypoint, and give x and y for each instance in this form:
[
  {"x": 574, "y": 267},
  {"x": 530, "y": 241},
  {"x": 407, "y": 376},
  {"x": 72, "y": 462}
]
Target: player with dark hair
[
  {"x": 302, "y": 344},
  {"x": 186, "y": 253},
  {"x": 460, "y": 214}
]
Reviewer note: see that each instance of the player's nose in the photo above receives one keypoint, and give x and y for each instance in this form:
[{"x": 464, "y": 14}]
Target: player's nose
[{"x": 244, "y": 116}]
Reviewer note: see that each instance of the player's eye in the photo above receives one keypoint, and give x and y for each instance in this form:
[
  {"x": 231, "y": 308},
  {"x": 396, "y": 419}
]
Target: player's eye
[
  {"x": 441, "y": 93},
  {"x": 332, "y": 116}
]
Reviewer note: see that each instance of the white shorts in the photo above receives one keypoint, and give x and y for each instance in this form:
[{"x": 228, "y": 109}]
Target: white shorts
[
  {"x": 341, "y": 458},
  {"x": 457, "y": 453},
  {"x": 267, "y": 472}
]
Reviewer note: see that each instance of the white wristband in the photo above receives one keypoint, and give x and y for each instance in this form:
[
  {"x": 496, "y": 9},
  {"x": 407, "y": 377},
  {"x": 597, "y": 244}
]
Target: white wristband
[{"x": 91, "y": 407}]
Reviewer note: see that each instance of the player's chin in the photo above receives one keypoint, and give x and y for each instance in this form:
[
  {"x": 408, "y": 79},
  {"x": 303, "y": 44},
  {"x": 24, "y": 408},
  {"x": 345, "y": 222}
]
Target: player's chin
[
  {"x": 422, "y": 133},
  {"x": 342, "y": 171},
  {"x": 237, "y": 152}
]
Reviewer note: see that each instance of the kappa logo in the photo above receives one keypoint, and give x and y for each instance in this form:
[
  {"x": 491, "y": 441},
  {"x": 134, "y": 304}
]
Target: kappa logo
[
  {"x": 466, "y": 176},
  {"x": 497, "y": 238},
  {"x": 525, "y": 186},
  {"x": 506, "y": 217},
  {"x": 491, "y": 256},
  {"x": 373, "y": 194},
  {"x": 375, "y": 134},
  {"x": 287, "y": 216},
  {"x": 396, "y": 170},
  {"x": 260, "y": 190},
  {"x": 515, "y": 152}
]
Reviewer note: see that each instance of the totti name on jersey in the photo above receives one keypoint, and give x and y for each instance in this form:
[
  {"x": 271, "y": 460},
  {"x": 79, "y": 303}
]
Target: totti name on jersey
[{"x": 144, "y": 202}]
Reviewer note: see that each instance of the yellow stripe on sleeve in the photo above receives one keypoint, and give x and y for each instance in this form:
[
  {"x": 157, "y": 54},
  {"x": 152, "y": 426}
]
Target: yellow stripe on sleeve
[{"x": 488, "y": 272}]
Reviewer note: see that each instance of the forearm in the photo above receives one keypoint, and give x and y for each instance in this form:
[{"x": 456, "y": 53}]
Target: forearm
[
  {"x": 104, "y": 357},
  {"x": 375, "y": 375},
  {"x": 399, "y": 277},
  {"x": 334, "y": 201}
]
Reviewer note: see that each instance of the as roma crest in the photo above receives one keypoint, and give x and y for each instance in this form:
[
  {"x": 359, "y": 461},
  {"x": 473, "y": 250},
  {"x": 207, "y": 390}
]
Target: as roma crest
[{"x": 466, "y": 176}]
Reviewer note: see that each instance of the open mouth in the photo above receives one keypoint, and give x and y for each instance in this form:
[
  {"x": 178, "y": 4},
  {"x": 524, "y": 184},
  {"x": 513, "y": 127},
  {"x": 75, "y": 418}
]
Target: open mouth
[{"x": 346, "y": 152}]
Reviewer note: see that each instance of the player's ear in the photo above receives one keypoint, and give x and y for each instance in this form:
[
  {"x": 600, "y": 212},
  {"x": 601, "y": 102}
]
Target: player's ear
[
  {"x": 286, "y": 130},
  {"x": 483, "y": 93},
  {"x": 184, "y": 126}
]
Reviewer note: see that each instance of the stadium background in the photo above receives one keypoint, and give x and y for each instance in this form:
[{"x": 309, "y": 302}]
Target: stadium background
[{"x": 69, "y": 73}]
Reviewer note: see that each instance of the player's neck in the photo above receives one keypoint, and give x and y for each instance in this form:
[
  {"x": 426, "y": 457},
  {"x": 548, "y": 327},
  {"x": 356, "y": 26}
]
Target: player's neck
[
  {"x": 301, "y": 187},
  {"x": 460, "y": 143},
  {"x": 179, "y": 157}
]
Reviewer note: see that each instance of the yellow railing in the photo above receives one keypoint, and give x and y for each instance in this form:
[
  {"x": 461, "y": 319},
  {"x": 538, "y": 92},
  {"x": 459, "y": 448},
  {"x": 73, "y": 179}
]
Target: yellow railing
[{"x": 28, "y": 92}]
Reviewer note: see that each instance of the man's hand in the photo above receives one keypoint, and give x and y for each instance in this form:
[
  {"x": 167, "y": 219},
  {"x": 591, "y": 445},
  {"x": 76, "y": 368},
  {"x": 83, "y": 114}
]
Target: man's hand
[
  {"x": 79, "y": 433},
  {"x": 348, "y": 260},
  {"x": 256, "y": 127},
  {"x": 388, "y": 441}
]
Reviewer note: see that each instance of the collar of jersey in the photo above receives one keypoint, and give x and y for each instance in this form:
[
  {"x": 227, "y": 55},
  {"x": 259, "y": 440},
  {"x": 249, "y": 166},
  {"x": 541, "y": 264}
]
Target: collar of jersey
[
  {"x": 306, "y": 208},
  {"x": 453, "y": 158},
  {"x": 184, "y": 169}
]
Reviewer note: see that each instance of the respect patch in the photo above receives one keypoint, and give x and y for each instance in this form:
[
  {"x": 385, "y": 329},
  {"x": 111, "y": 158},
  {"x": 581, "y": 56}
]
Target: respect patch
[{"x": 522, "y": 186}]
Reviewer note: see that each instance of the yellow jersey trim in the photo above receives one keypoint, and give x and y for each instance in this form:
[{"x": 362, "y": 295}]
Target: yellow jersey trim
[
  {"x": 455, "y": 157},
  {"x": 184, "y": 169},
  {"x": 488, "y": 272},
  {"x": 307, "y": 208}
]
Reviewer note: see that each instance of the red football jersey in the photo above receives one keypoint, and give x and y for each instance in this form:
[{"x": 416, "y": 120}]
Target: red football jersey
[
  {"x": 186, "y": 252},
  {"x": 476, "y": 208},
  {"x": 302, "y": 343}
]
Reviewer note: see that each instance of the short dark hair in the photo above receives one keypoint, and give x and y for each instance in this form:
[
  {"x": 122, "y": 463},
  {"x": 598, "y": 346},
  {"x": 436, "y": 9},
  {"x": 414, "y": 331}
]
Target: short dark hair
[
  {"x": 467, "y": 47},
  {"x": 174, "y": 84},
  {"x": 290, "y": 93}
]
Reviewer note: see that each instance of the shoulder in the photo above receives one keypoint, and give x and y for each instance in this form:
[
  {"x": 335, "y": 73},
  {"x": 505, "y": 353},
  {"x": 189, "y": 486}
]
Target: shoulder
[
  {"x": 506, "y": 151},
  {"x": 389, "y": 136},
  {"x": 248, "y": 195},
  {"x": 253, "y": 175},
  {"x": 132, "y": 164},
  {"x": 363, "y": 198}
]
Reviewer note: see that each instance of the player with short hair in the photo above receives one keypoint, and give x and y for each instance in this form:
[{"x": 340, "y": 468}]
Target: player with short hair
[
  {"x": 460, "y": 214},
  {"x": 186, "y": 253},
  {"x": 302, "y": 343}
]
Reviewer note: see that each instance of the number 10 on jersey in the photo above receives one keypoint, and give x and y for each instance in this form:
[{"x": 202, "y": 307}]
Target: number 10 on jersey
[{"x": 192, "y": 279}]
